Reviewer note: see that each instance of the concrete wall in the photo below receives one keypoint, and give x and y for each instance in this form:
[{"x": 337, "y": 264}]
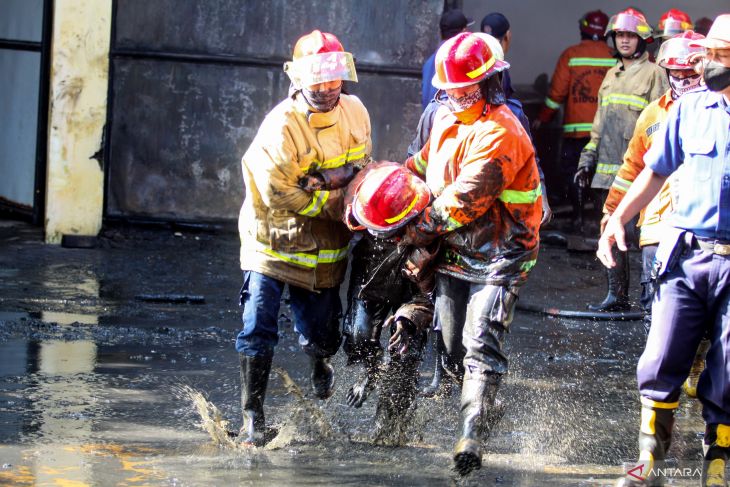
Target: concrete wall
[
  {"x": 78, "y": 101},
  {"x": 542, "y": 29}
]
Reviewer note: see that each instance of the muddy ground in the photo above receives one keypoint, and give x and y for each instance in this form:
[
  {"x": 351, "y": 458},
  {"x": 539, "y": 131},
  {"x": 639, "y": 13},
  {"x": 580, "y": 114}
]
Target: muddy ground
[{"x": 100, "y": 350}]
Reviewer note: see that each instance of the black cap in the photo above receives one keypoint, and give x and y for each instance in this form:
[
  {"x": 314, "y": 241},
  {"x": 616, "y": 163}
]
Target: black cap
[
  {"x": 452, "y": 22},
  {"x": 495, "y": 24}
]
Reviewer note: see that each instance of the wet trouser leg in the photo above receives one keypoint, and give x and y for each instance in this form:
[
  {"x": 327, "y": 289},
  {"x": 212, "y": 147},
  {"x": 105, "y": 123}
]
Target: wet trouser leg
[
  {"x": 362, "y": 327},
  {"x": 487, "y": 311},
  {"x": 647, "y": 284},
  {"x": 317, "y": 320},
  {"x": 450, "y": 302},
  {"x": 398, "y": 391}
]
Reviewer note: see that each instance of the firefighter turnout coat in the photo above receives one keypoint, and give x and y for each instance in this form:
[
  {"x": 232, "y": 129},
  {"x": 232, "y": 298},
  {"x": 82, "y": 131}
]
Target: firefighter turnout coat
[
  {"x": 287, "y": 233},
  {"x": 480, "y": 167},
  {"x": 660, "y": 207},
  {"x": 624, "y": 93},
  {"x": 577, "y": 77}
]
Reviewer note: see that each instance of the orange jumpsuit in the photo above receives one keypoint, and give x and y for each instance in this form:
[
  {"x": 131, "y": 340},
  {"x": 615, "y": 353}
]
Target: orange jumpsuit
[
  {"x": 480, "y": 166},
  {"x": 661, "y": 206},
  {"x": 577, "y": 77}
]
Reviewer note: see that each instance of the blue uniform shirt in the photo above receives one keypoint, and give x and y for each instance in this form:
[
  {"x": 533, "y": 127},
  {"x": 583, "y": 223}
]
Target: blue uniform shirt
[
  {"x": 427, "y": 89},
  {"x": 695, "y": 142}
]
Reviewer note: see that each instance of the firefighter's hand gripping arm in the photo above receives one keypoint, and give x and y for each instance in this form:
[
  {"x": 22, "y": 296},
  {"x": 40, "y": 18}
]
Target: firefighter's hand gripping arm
[
  {"x": 327, "y": 179},
  {"x": 418, "y": 266},
  {"x": 403, "y": 330},
  {"x": 586, "y": 168}
]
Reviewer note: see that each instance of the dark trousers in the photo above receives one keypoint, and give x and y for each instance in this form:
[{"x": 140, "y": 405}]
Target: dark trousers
[
  {"x": 316, "y": 316},
  {"x": 473, "y": 319},
  {"x": 694, "y": 298}
]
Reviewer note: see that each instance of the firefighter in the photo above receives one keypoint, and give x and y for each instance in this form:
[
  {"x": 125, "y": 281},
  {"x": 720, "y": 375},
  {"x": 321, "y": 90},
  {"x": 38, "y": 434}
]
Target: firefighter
[
  {"x": 575, "y": 82},
  {"x": 678, "y": 59},
  {"x": 625, "y": 91},
  {"x": 480, "y": 167},
  {"x": 692, "y": 265},
  {"x": 290, "y": 224},
  {"x": 379, "y": 203}
]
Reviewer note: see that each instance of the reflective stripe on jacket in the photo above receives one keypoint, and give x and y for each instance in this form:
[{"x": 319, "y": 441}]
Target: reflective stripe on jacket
[
  {"x": 621, "y": 98},
  {"x": 575, "y": 82},
  {"x": 287, "y": 233},
  {"x": 480, "y": 167},
  {"x": 661, "y": 206}
]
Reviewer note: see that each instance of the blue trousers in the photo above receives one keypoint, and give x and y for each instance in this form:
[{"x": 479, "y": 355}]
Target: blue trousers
[
  {"x": 693, "y": 299},
  {"x": 316, "y": 317}
]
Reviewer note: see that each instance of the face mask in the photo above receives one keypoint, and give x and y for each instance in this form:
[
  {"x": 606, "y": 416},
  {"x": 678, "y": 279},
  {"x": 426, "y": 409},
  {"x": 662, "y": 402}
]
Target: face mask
[
  {"x": 680, "y": 86},
  {"x": 465, "y": 102},
  {"x": 322, "y": 101},
  {"x": 717, "y": 76}
]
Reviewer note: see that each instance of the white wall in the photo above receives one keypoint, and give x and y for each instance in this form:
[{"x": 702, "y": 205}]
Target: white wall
[{"x": 541, "y": 29}]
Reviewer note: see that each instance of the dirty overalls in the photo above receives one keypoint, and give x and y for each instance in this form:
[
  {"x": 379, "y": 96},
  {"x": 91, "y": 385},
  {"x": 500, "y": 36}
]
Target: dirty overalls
[
  {"x": 692, "y": 266},
  {"x": 480, "y": 166}
]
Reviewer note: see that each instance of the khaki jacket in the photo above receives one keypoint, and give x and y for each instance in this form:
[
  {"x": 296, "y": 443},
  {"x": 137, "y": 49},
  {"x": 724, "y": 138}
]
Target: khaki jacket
[
  {"x": 287, "y": 233},
  {"x": 621, "y": 98}
]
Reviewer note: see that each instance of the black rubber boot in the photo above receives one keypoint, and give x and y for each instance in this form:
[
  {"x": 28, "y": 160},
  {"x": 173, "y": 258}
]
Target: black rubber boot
[
  {"x": 254, "y": 379},
  {"x": 477, "y": 397},
  {"x": 617, "y": 298},
  {"x": 323, "y": 377},
  {"x": 655, "y": 437},
  {"x": 716, "y": 446},
  {"x": 442, "y": 383}
]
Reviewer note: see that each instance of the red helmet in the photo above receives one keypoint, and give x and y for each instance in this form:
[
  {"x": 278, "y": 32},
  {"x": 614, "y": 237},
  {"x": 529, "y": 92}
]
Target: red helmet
[
  {"x": 594, "y": 23},
  {"x": 464, "y": 60},
  {"x": 673, "y": 22},
  {"x": 317, "y": 43},
  {"x": 676, "y": 52},
  {"x": 388, "y": 197},
  {"x": 630, "y": 20},
  {"x": 319, "y": 57}
]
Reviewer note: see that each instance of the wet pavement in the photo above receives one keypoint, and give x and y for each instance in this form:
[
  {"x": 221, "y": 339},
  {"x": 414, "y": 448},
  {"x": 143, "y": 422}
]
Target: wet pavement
[{"x": 100, "y": 350}]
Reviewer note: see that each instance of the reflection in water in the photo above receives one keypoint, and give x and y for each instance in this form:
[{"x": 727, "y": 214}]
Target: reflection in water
[{"x": 69, "y": 318}]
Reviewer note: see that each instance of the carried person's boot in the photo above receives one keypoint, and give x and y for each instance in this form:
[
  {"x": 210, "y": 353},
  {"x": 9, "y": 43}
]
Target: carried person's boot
[
  {"x": 254, "y": 379},
  {"x": 442, "y": 383},
  {"x": 477, "y": 397},
  {"x": 690, "y": 385},
  {"x": 323, "y": 377},
  {"x": 617, "y": 298},
  {"x": 716, "y": 447},
  {"x": 655, "y": 437}
]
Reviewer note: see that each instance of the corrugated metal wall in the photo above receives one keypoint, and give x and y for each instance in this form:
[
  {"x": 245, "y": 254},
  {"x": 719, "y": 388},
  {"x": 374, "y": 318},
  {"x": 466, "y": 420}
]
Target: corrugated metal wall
[{"x": 192, "y": 81}]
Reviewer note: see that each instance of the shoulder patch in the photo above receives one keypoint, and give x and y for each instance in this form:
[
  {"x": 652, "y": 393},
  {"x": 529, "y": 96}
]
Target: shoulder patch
[{"x": 651, "y": 129}]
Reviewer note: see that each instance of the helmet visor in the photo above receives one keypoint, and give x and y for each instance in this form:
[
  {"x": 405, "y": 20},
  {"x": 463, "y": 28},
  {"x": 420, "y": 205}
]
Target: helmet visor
[
  {"x": 629, "y": 23},
  {"x": 321, "y": 68},
  {"x": 673, "y": 27},
  {"x": 675, "y": 53}
]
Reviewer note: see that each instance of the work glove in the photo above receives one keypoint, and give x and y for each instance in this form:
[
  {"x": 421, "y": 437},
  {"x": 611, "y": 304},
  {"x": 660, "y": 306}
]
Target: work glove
[
  {"x": 312, "y": 182},
  {"x": 402, "y": 331},
  {"x": 586, "y": 168},
  {"x": 419, "y": 267}
]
